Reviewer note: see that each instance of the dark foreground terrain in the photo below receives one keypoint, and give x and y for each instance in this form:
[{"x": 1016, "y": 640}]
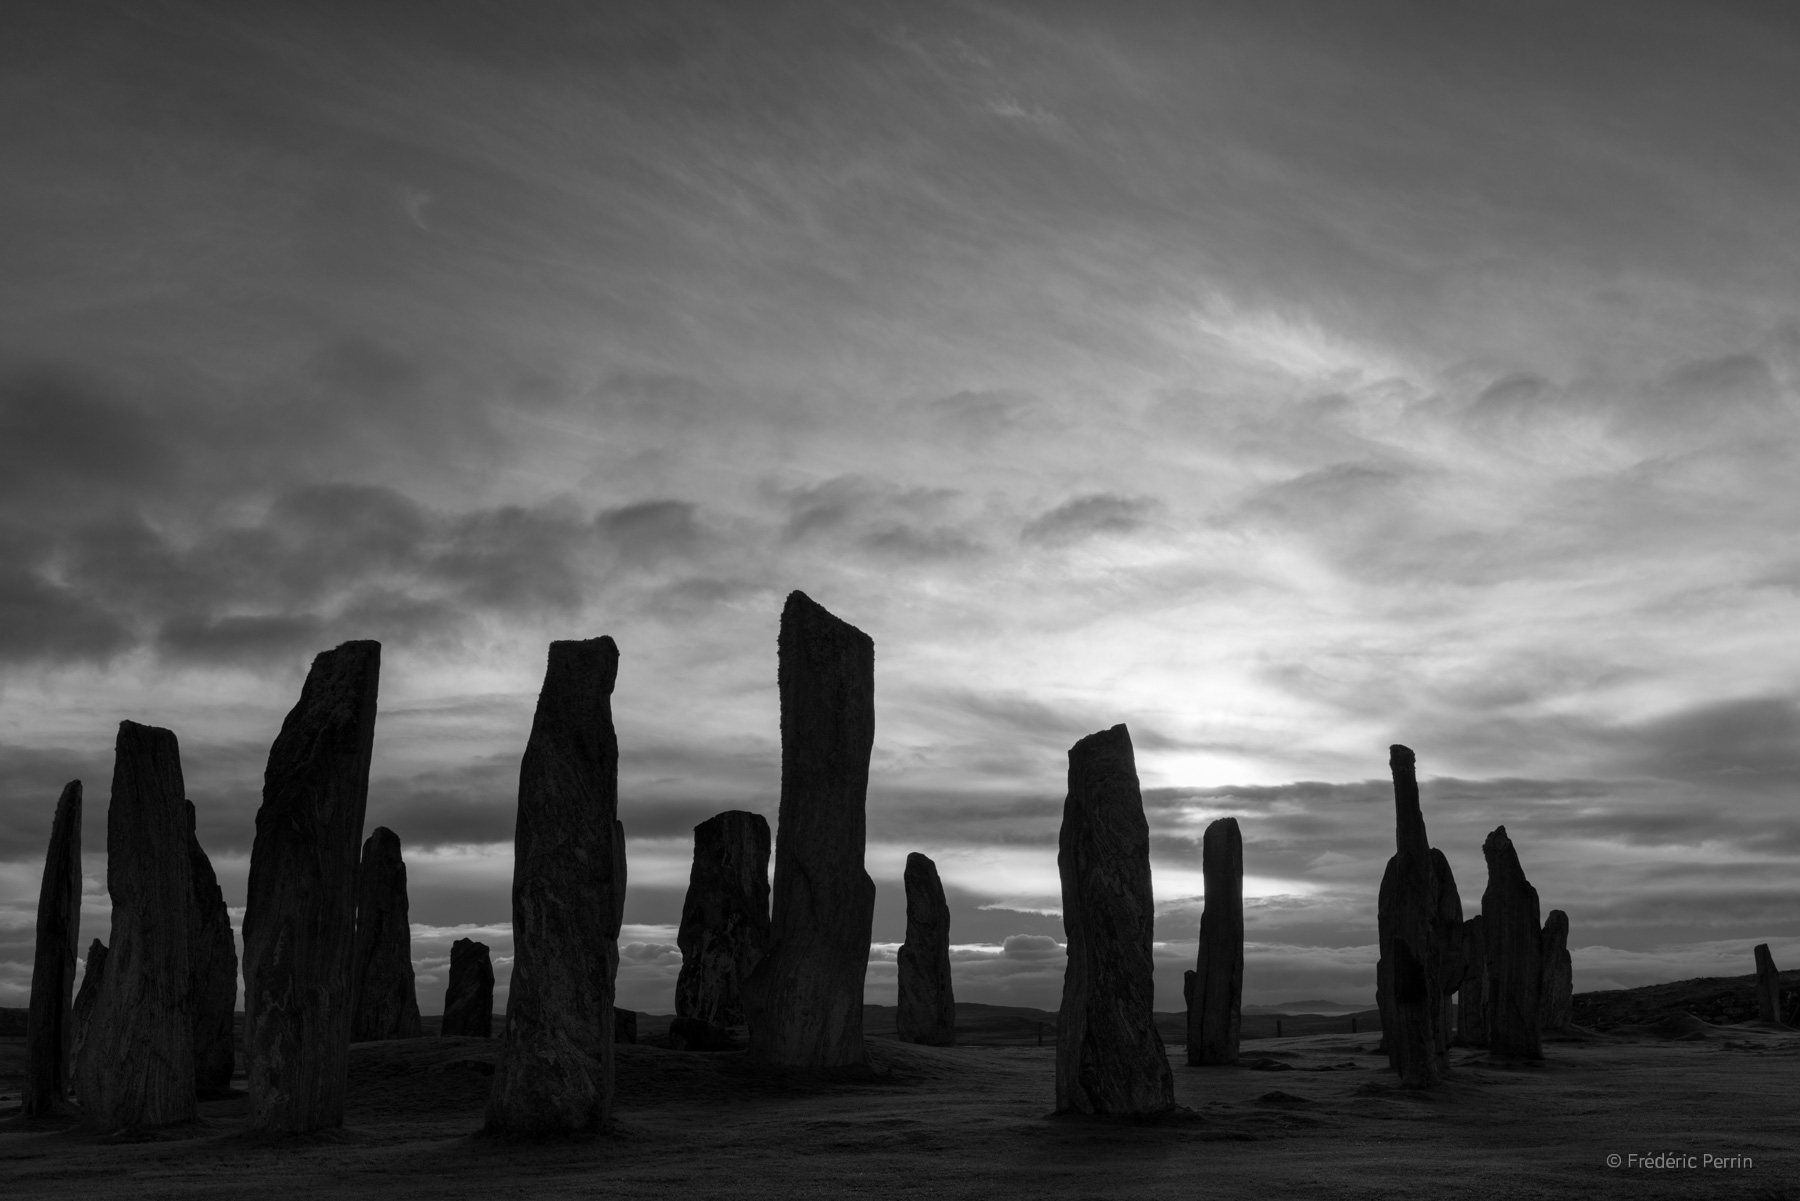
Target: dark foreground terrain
[{"x": 1318, "y": 1118}]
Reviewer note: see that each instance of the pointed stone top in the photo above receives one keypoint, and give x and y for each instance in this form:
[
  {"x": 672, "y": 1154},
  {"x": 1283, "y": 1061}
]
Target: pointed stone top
[
  {"x": 806, "y": 618},
  {"x": 382, "y": 841},
  {"x": 1401, "y": 758},
  {"x": 1115, "y": 741},
  {"x": 1557, "y": 924},
  {"x": 918, "y": 862},
  {"x": 585, "y": 668}
]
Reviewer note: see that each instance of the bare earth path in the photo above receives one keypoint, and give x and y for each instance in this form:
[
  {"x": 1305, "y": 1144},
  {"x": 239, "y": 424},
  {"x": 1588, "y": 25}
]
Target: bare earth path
[{"x": 971, "y": 1122}]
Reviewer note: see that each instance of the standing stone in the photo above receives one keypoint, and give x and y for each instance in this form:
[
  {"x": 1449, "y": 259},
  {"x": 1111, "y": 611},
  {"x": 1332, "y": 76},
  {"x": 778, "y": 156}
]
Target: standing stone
[
  {"x": 213, "y": 963},
  {"x": 384, "y": 1003},
  {"x": 555, "y": 1075},
  {"x": 1471, "y": 1018},
  {"x": 624, "y": 1025},
  {"x": 1509, "y": 911},
  {"x": 927, "y": 1007},
  {"x": 49, "y": 1025},
  {"x": 1109, "y": 1055},
  {"x": 137, "y": 1061},
  {"x": 1557, "y": 991},
  {"x": 1215, "y": 1011},
  {"x": 300, "y": 918},
  {"x": 1453, "y": 962},
  {"x": 469, "y": 1000},
  {"x": 803, "y": 1001},
  {"x": 1768, "y": 985},
  {"x": 725, "y": 918},
  {"x": 1410, "y": 974},
  {"x": 93, "y": 979}
]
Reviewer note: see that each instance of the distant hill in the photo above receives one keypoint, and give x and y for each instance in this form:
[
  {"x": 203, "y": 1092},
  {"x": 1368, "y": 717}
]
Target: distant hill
[
  {"x": 1721, "y": 1000},
  {"x": 1334, "y": 1008}
]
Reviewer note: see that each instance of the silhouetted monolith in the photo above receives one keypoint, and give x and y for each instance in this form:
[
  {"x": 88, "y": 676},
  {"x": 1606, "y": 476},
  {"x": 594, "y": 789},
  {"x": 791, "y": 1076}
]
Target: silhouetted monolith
[
  {"x": 555, "y": 1075},
  {"x": 213, "y": 966},
  {"x": 469, "y": 999},
  {"x": 384, "y": 1002},
  {"x": 300, "y": 916},
  {"x": 803, "y": 1001},
  {"x": 49, "y": 1024},
  {"x": 137, "y": 1060},
  {"x": 1453, "y": 962},
  {"x": 927, "y": 1006},
  {"x": 1109, "y": 1055},
  {"x": 1556, "y": 994},
  {"x": 624, "y": 1025},
  {"x": 725, "y": 918},
  {"x": 1513, "y": 937},
  {"x": 1409, "y": 977},
  {"x": 1215, "y": 1010},
  {"x": 696, "y": 1034},
  {"x": 1768, "y": 986},
  {"x": 93, "y": 979},
  {"x": 1471, "y": 1017}
]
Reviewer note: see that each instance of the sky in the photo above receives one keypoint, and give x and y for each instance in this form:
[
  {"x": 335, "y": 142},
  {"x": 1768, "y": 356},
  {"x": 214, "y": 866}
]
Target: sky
[{"x": 1284, "y": 380}]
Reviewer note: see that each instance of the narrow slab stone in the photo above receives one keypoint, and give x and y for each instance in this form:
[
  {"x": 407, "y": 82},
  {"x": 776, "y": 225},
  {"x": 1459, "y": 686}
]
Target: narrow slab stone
[
  {"x": 1215, "y": 1012},
  {"x": 1410, "y": 973},
  {"x": 385, "y": 1003},
  {"x": 1513, "y": 934},
  {"x": 49, "y": 1024},
  {"x": 93, "y": 979},
  {"x": 624, "y": 1025},
  {"x": 300, "y": 915},
  {"x": 137, "y": 1061},
  {"x": 1109, "y": 1055},
  {"x": 1471, "y": 1017},
  {"x": 469, "y": 999},
  {"x": 1768, "y": 986},
  {"x": 725, "y": 918},
  {"x": 555, "y": 1075},
  {"x": 694, "y": 1034},
  {"x": 803, "y": 1001},
  {"x": 1557, "y": 990},
  {"x": 213, "y": 966},
  {"x": 1453, "y": 963},
  {"x": 927, "y": 1004}
]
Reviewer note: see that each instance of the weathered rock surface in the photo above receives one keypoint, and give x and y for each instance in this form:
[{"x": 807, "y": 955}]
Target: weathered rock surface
[
  {"x": 1215, "y": 1008},
  {"x": 469, "y": 998},
  {"x": 1556, "y": 993},
  {"x": 1514, "y": 936},
  {"x": 1471, "y": 1017},
  {"x": 926, "y": 1011},
  {"x": 555, "y": 1074},
  {"x": 300, "y": 915},
  {"x": 803, "y": 1001},
  {"x": 624, "y": 1025},
  {"x": 213, "y": 969},
  {"x": 92, "y": 981},
  {"x": 1768, "y": 986},
  {"x": 725, "y": 918},
  {"x": 137, "y": 1060},
  {"x": 384, "y": 1001},
  {"x": 1109, "y": 1056},
  {"x": 49, "y": 1023},
  {"x": 1410, "y": 974}
]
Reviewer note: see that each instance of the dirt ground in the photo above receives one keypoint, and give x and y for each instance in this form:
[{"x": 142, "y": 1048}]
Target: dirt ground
[{"x": 1319, "y": 1118}]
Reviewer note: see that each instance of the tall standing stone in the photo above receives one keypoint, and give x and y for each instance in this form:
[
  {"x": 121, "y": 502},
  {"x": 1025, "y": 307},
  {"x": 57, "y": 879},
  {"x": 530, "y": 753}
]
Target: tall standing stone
[
  {"x": 1410, "y": 974},
  {"x": 1768, "y": 986},
  {"x": 49, "y": 1025},
  {"x": 1471, "y": 1017},
  {"x": 137, "y": 1061},
  {"x": 1453, "y": 962},
  {"x": 469, "y": 1000},
  {"x": 1215, "y": 1010},
  {"x": 1509, "y": 912},
  {"x": 725, "y": 918},
  {"x": 803, "y": 1001},
  {"x": 927, "y": 1006},
  {"x": 384, "y": 1001},
  {"x": 1556, "y": 993},
  {"x": 93, "y": 979},
  {"x": 555, "y": 1075},
  {"x": 300, "y": 918},
  {"x": 213, "y": 963},
  {"x": 1109, "y": 1055}
]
